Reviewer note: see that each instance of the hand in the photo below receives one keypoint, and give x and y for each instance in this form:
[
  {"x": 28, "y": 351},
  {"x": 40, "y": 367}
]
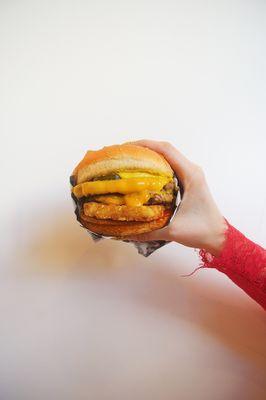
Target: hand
[{"x": 198, "y": 222}]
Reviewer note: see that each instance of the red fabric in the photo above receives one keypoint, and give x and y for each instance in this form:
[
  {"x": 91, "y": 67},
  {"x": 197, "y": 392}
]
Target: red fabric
[{"x": 243, "y": 261}]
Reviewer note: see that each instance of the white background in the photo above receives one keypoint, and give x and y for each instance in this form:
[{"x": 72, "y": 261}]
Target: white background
[{"x": 86, "y": 321}]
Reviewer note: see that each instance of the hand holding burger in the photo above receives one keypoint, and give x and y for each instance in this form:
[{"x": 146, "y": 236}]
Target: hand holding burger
[{"x": 129, "y": 191}]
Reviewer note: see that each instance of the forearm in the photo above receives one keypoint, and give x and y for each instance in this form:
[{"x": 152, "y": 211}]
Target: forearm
[{"x": 243, "y": 261}]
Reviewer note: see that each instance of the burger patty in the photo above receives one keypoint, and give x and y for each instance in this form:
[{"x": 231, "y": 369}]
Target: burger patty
[
  {"x": 163, "y": 197},
  {"x": 123, "y": 213}
]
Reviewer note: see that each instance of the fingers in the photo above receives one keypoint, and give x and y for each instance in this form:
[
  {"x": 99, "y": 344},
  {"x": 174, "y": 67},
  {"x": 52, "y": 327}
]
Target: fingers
[{"x": 180, "y": 164}]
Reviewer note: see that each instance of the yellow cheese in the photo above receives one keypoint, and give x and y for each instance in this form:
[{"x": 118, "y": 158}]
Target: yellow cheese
[
  {"x": 123, "y": 186},
  {"x": 137, "y": 199}
]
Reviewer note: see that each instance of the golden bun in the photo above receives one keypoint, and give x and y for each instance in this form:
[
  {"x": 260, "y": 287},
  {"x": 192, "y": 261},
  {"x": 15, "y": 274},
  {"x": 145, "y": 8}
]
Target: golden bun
[
  {"x": 120, "y": 157},
  {"x": 123, "y": 229}
]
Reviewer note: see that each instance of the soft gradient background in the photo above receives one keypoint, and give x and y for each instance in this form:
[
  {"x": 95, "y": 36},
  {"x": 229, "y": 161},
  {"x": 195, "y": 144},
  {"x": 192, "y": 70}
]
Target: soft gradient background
[{"x": 99, "y": 322}]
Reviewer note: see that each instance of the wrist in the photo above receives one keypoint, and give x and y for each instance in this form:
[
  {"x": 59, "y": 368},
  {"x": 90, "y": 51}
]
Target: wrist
[{"x": 217, "y": 237}]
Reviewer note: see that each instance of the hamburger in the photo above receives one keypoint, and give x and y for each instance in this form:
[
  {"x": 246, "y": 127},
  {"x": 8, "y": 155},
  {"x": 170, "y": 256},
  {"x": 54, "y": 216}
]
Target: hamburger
[{"x": 123, "y": 190}]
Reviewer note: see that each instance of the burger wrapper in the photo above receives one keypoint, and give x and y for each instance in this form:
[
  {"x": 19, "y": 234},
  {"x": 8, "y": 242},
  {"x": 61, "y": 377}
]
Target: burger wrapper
[{"x": 143, "y": 248}]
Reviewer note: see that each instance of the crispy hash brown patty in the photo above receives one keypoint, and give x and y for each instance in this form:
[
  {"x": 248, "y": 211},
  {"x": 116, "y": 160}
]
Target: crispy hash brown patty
[
  {"x": 123, "y": 228},
  {"x": 123, "y": 212}
]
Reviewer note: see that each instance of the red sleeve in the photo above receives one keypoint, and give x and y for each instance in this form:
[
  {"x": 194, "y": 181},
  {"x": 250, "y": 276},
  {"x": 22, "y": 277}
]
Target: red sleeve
[{"x": 243, "y": 261}]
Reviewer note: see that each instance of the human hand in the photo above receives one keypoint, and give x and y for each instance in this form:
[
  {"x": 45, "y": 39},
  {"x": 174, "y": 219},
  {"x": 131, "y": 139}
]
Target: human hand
[{"x": 198, "y": 222}]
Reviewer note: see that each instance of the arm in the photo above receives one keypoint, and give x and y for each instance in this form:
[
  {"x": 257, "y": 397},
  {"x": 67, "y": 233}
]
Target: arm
[
  {"x": 243, "y": 261},
  {"x": 199, "y": 224}
]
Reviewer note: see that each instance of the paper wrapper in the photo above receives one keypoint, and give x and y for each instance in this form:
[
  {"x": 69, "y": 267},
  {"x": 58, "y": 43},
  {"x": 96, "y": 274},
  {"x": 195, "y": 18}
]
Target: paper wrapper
[{"x": 144, "y": 248}]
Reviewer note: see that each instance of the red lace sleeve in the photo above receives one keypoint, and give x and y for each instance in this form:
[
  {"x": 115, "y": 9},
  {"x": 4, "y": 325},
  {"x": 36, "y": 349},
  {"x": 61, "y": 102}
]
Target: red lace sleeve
[{"x": 243, "y": 261}]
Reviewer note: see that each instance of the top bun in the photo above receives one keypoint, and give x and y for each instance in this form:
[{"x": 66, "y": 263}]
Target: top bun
[{"x": 120, "y": 157}]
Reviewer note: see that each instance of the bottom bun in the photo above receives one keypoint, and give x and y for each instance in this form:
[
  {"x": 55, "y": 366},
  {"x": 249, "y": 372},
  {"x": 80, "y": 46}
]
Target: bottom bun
[{"x": 123, "y": 228}]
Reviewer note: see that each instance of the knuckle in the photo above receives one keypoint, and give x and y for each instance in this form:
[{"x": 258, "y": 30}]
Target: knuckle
[
  {"x": 167, "y": 145},
  {"x": 202, "y": 172},
  {"x": 200, "y": 169},
  {"x": 199, "y": 172}
]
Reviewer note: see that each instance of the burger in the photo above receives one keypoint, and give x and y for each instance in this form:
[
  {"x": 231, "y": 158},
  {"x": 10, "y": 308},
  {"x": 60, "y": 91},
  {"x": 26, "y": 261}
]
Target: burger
[{"x": 123, "y": 190}]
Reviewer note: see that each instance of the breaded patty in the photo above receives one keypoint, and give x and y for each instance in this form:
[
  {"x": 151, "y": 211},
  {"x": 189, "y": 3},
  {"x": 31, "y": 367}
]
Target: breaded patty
[{"x": 122, "y": 212}]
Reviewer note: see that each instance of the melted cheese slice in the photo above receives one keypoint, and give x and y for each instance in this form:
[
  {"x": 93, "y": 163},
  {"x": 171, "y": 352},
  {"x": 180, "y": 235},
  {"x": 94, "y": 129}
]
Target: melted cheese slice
[
  {"x": 137, "y": 199},
  {"x": 123, "y": 186}
]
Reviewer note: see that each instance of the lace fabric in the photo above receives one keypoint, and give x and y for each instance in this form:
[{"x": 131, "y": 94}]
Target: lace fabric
[{"x": 243, "y": 261}]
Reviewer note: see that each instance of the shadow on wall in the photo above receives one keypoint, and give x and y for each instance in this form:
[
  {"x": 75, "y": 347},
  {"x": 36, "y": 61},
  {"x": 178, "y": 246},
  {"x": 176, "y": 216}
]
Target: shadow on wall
[{"x": 61, "y": 247}]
